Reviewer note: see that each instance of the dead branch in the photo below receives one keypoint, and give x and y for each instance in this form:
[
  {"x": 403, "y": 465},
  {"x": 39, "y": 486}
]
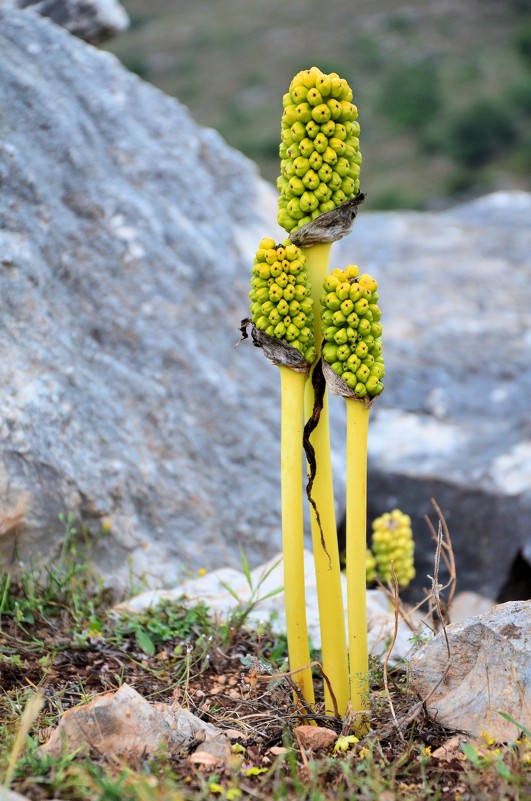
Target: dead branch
[{"x": 391, "y": 646}]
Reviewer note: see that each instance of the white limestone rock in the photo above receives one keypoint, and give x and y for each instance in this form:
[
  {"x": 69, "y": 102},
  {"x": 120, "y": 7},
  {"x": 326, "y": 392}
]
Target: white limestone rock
[{"x": 489, "y": 672}]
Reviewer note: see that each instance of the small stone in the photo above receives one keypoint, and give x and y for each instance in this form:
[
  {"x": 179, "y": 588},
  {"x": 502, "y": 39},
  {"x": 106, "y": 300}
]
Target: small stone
[
  {"x": 204, "y": 759},
  {"x": 489, "y": 672},
  {"x": 11, "y": 795},
  {"x": 315, "y": 738},
  {"x": 449, "y": 750}
]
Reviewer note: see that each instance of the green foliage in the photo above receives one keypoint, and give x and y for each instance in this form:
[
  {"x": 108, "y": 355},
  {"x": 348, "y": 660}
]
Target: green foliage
[
  {"x": 395, "y": 198},
  {"x": 520, "y": 98},
  {"x": 137, "y": 64},
  {"x": 167, "y": 622},
  {"x": 472, "y": 49},
  {"x": 522, "y": 43},
  {"x": 33, "y": 594},
  {"x": 410, "y": 95},
  {"x": 479, "y": 133}
]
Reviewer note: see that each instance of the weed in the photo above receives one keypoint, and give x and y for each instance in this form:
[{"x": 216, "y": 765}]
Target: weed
[{"x": 30, "y": 595}]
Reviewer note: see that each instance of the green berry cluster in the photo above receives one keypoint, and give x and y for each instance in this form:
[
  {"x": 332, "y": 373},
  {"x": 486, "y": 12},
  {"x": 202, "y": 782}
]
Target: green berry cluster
[
  {"x": 392, "y": 541},
  {"x": 319, "y": 152},
  {"x": 352, "y": 330},
  {"x": 281, "y": 304}
]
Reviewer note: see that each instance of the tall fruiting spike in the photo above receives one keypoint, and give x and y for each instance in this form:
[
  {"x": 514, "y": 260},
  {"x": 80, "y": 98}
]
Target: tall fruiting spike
[
  {"x": 353, "y": 367},
  {"x": 282, "y": 308},
  {"x": 319, "y": 151},
  {"x": 392, "y": 541}
]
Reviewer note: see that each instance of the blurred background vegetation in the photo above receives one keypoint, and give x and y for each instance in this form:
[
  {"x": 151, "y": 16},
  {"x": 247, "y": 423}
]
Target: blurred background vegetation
[{"x": 443, "y": 86}]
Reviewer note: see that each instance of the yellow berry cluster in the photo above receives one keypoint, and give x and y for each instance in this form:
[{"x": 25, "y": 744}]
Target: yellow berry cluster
[
  {"x": 392, "y": 541},
  {"x": 352, "y": 330},
  {"x": 280, "y": 296},
  {"x": 319, "y": 152},
  {"x": 371, "y": 567}
]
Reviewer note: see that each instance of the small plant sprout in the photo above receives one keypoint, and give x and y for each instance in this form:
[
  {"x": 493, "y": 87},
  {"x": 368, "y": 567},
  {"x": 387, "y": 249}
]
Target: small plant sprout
[
  {"x": 353, "y": 367},
  {"x": 282, "y": 313}
]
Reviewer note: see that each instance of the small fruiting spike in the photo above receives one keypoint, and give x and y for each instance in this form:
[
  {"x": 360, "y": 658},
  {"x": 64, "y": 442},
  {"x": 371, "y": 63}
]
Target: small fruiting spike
[
  {"x": 371, "y": 566},
  {"x": 392, "y": 541},
  {"x": 280, "y": 295},
  {"x": 351, "y": 328},
  {"x": 319, "y": 132}
]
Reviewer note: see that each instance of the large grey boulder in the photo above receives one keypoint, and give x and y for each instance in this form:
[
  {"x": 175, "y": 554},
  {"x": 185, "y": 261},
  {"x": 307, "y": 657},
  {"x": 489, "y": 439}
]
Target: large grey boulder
[
  {"x": 127, "y": 234},
  {"x": 453, "y": 421},
  {"x": 126, "y": 241},
  {"x": 94, "y": 21}
]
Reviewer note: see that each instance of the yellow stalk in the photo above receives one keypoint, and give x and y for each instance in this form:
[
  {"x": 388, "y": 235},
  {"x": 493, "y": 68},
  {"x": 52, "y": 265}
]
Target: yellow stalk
[
  {"x": 292, "y": 393},
  {"x": 327, "y": 567},
  {"x": 356, "y": 502}
]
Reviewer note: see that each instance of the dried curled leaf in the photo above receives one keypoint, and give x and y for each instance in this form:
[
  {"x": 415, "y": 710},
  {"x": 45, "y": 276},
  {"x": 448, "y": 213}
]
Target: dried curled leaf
[
  {"x": 277, "y": 351},
  {"x": 330, "y": 226},
  {"x": 337, "y": 386}
]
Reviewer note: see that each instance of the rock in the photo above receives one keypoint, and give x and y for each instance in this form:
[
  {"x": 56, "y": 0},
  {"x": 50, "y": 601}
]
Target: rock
[
  {"x": 453, "y": 421},
  {"x": 123, "y": 723},
  {"x": 11, "y": 795},
  {"x": 95, "y": 21},
  {"x": 126, "y": 243},
  {"x": 315, "y": 738},
  {"x": 518, "y": 580},
  {"x": 469, "y": 604},
  {"x": 489, "y": 673},
  {"x": 268, "y": 578},
  {"x": 449, "y": 751}
]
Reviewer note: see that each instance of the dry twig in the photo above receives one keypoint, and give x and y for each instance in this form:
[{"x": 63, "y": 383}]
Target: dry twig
[{"x": 391, "y": 646}]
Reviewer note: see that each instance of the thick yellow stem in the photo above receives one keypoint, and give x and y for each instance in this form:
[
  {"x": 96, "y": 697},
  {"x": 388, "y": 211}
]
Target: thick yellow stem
[
  {"x": 327, "y": 567},
  {"x": 292, "y": 386},
  {"x": 357, "y": 435}
]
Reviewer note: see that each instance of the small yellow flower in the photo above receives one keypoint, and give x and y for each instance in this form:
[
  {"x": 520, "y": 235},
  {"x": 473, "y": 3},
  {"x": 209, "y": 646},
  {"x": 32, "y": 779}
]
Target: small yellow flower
[
  {"x": 238, "y": 748},
  {"x": 201, "y": 571},
  {"x": 487, "y": 738},
  {"x": 427, "y": 751},
  {"x": 364, "y": 753},
  {"x": 344, "y": 743},
  {"x": 232, "y": 794},
  {"x": 255, "y": 771},
  {"x": 214, "y": 787},
  {"x": 106, "y": 526}
]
